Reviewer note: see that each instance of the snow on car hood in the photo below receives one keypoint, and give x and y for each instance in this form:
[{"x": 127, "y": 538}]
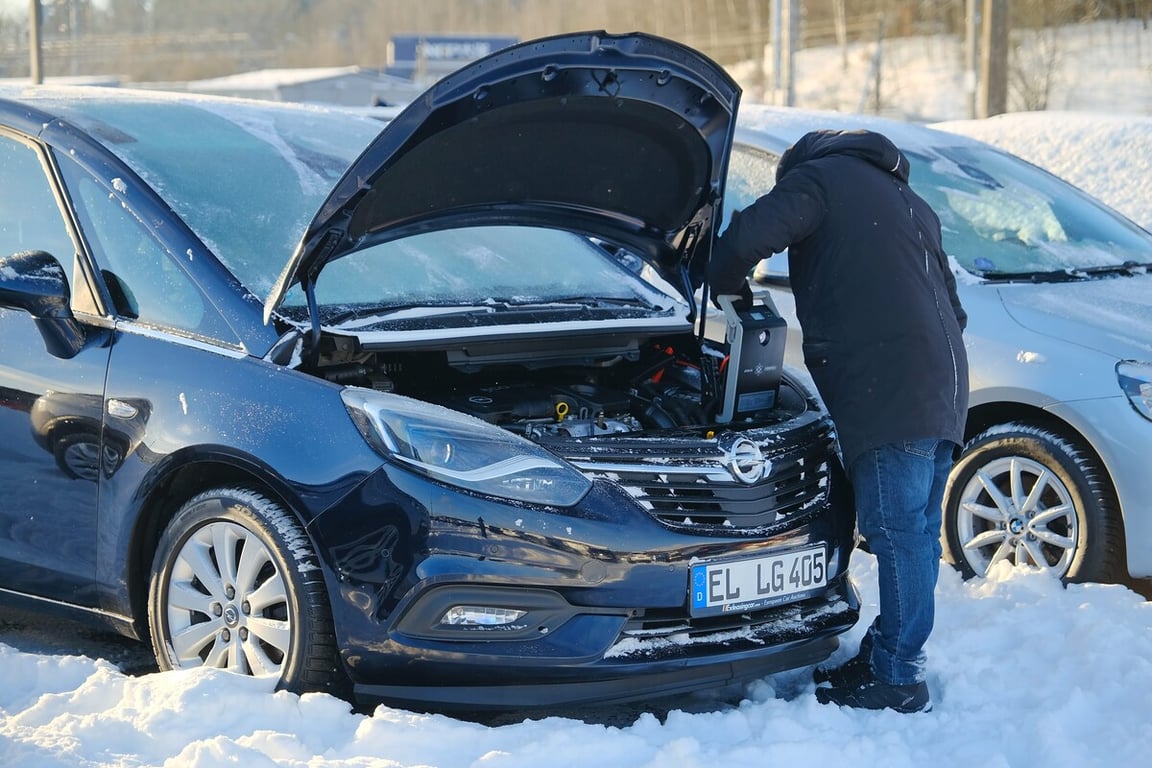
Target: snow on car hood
[
  {"x": 622, "y": 137},
  {"x": 1110, "y": 315}
]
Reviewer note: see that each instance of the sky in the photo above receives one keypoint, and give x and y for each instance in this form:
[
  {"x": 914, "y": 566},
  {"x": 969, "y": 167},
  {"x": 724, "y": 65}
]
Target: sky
[{"x": 1023, "y": 672}]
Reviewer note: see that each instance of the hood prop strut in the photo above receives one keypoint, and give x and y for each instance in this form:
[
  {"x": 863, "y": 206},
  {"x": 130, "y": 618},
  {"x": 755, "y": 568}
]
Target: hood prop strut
[
  {"x": 314, "y": 318},
  {"x": 684, "y": 256},
  {"x": 308, "y": 283}
]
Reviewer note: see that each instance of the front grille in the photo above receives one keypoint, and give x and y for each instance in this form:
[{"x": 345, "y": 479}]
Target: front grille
[{"x": 696, "y": 488}]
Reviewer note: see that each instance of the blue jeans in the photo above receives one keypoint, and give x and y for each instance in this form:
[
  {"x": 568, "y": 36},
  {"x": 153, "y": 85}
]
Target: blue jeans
[{"x": 899, "y": 489}]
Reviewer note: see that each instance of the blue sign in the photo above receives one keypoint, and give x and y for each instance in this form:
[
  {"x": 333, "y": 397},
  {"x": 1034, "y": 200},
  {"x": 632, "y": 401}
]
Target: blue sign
[{"x": 437, "y": 55}]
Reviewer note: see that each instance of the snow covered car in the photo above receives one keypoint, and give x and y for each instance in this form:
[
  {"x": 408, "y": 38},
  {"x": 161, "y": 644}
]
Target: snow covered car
[
  {"x": 1059, "y": 299},
  {"x": 461, "y": 454}
]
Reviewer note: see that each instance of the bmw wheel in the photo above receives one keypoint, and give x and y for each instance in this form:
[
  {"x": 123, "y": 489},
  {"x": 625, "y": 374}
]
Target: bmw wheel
[
  {"x": 1026, "y": 495},
  {"x": 235, "y": 586}
]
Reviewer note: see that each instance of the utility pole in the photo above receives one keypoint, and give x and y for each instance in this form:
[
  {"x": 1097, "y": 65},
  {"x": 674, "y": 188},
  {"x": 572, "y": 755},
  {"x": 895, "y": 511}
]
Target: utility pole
[
  {"x": 971, "y": 54},
  {"x": 994, "y": 58},
  {"x": 777, "y": 30},
  {"x": 785, "y": 29},
  {"x": 34, "y": 41},
  {"x": 792, "y": 30}
]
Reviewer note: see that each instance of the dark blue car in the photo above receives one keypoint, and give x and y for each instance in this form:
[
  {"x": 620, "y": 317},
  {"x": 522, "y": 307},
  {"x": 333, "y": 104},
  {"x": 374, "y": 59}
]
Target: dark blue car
[{"x": 451, "y": 441}]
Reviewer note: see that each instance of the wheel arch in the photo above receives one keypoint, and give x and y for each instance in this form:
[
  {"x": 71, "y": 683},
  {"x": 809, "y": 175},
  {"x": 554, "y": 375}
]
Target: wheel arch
[
  {"x": 987, "y": 415},
  {"x": 164, "y": 498}
]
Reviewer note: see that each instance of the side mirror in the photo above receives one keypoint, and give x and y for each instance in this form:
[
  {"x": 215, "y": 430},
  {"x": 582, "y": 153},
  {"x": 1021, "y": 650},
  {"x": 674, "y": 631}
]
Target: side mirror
[{"x": 35, "y": 282}]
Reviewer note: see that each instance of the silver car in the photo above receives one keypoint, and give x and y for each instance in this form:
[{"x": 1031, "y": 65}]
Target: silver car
[{"x": 1057, "y": 469}]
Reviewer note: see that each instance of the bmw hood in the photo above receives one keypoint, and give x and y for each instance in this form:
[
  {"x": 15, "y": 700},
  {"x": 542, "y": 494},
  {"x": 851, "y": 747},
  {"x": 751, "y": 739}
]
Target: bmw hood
[
  {"x": 620, "y": 137},
  {"x": 1109, "y": 315}
]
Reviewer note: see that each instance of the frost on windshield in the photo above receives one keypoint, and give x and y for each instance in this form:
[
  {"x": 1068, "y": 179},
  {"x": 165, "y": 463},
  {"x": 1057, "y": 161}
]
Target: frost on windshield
[
  {"x": 245, "y": 178},
  {"x": 1001, "y": 215},
  {"x": 477, "y": 266},
  {"x": 751, "y": 173},
  {"x": 313, "y": 164}
]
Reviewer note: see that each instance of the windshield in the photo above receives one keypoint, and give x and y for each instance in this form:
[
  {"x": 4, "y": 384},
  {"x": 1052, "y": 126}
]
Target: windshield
[
  {"x": 478, "y": 266},
  {"x": 246, "y": 178},
  {"x": 998, "y": 215}
]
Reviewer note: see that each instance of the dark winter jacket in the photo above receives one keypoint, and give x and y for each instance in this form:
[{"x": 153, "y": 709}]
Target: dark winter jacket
[{"x": 875, "y": 296}]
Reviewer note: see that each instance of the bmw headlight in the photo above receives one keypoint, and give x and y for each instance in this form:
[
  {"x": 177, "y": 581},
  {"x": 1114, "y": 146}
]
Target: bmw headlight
[
  {"x": 1136, "y": 381},
  {"x": 463, "y": 451}
]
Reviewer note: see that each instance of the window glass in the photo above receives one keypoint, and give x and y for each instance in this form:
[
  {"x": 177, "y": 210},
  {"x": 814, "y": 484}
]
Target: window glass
[
  {"x": 245, "y": 178},
  {"x": 998, "y": 214},
  {"x": 143, "y": 278},
  {"x": 751, "y": 174},
  {"x": 478, "y": 266},
  {"x": 30, "y": 217},
  {"x": 1002, "y": 215}
]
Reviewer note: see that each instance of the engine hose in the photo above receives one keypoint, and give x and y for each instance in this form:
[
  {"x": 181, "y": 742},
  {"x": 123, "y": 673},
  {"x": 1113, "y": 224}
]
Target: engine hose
[{"x": 655, "y": 416}]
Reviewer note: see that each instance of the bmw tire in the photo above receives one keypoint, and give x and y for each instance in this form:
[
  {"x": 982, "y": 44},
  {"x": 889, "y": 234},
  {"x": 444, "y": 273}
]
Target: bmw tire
[{"x": 1026, "y": 495}]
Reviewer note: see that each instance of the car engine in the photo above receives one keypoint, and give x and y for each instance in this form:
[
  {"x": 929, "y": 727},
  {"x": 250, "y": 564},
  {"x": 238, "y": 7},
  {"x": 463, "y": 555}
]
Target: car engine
[{"x": 555, "y": 393}]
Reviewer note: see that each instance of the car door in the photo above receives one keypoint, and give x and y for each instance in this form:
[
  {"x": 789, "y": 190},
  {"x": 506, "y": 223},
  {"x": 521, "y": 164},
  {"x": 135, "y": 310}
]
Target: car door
[
  {"x": 51, "y": 409},
  {"x": 170, "y": 350}
]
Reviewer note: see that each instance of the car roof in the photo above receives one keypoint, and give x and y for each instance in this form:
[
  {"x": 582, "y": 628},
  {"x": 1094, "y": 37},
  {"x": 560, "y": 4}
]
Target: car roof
[
  {"x": 777, "y": 128},
  {"x": 52, "y": 99}
]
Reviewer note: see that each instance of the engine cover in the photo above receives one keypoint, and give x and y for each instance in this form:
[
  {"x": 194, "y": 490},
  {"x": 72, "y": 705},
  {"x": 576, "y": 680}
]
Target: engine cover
[{"x": 576, "y": 410}]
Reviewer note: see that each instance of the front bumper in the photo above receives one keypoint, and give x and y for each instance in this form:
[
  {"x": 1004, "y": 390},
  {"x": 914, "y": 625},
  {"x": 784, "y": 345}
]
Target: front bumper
[
  {"x": 1123, "y": 440},
  {"x": 603, "y": 586},
  {"x": 556, "y": 670}
]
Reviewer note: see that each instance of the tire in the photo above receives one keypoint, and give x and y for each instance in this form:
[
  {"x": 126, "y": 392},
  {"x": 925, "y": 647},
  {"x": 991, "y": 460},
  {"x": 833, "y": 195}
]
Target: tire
[
  {"x": 1029, "y": 496},
  {"x": 236, "y": 585}
]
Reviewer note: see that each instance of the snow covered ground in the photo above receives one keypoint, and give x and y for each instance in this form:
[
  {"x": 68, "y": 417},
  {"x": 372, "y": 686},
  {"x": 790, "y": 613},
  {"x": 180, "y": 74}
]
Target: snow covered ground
[{"x": 1023, "y": 671}]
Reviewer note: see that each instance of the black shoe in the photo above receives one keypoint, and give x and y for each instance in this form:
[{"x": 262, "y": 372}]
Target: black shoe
[
  {"x": 850, "y": 674},
  {"x": 873, "y": 694}
]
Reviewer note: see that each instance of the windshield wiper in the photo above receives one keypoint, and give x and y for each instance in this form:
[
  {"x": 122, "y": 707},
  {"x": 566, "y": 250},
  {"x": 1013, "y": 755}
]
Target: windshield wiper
[
  {"x": 581, "y": 302},
  {"x": 1130, "y": 267},
  {"x": 490, "y": 307},
  {"x": 378, "y": 312},
  {"x": 1067, "y": 275},
  {"x": 1053, "y": 276}
]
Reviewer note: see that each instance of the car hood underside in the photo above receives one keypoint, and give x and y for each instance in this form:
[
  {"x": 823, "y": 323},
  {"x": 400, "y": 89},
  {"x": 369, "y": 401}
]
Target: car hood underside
[{"x": 621, "y": 137}]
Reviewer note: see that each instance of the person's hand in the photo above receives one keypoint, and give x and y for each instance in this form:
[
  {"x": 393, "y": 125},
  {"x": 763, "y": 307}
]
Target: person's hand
[{"x": 743, "y": 300}]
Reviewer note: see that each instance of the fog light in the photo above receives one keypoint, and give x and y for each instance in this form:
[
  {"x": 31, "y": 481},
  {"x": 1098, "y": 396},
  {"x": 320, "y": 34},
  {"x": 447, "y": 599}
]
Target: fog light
[{"x": 480, "y": 616}]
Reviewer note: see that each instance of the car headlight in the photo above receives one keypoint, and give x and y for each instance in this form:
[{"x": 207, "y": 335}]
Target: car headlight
[
  {"x": 1136, "y": 381},
  {"x": 463, "y": 451}
]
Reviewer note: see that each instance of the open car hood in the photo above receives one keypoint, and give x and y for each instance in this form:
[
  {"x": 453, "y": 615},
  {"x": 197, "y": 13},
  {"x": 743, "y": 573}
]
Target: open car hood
[{"x": 620, "y": 137}]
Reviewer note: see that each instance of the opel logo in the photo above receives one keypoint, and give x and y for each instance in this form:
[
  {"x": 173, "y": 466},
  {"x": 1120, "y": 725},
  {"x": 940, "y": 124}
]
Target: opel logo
[{"x": 746, "y": 462}]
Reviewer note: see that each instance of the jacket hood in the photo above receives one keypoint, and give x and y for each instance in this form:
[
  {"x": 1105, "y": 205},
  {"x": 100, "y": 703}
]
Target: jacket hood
[
  {"x": 869, "y": 146},
  {"x": 619, "y": 137}
]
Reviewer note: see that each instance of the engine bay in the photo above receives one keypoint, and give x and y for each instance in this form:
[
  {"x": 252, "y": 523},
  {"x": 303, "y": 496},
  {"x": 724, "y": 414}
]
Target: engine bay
[{"x": 566, "y": 388}]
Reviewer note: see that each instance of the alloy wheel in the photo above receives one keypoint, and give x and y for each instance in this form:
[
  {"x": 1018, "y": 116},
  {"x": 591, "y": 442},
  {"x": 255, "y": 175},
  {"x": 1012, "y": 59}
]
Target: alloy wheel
[
  {"x": 227, "y": 603},
  {"x": 1018, "y": 510}
]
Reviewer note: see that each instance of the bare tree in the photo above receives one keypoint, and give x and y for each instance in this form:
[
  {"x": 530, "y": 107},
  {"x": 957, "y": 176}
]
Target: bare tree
[
  {"x": 1034, "y": 62},
  {"x": 178, "y": 39}
]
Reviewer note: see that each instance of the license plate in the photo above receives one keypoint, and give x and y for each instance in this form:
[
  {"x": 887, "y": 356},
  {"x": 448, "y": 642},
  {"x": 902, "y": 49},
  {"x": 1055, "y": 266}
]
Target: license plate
[{"x": 751, "y": 583}]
